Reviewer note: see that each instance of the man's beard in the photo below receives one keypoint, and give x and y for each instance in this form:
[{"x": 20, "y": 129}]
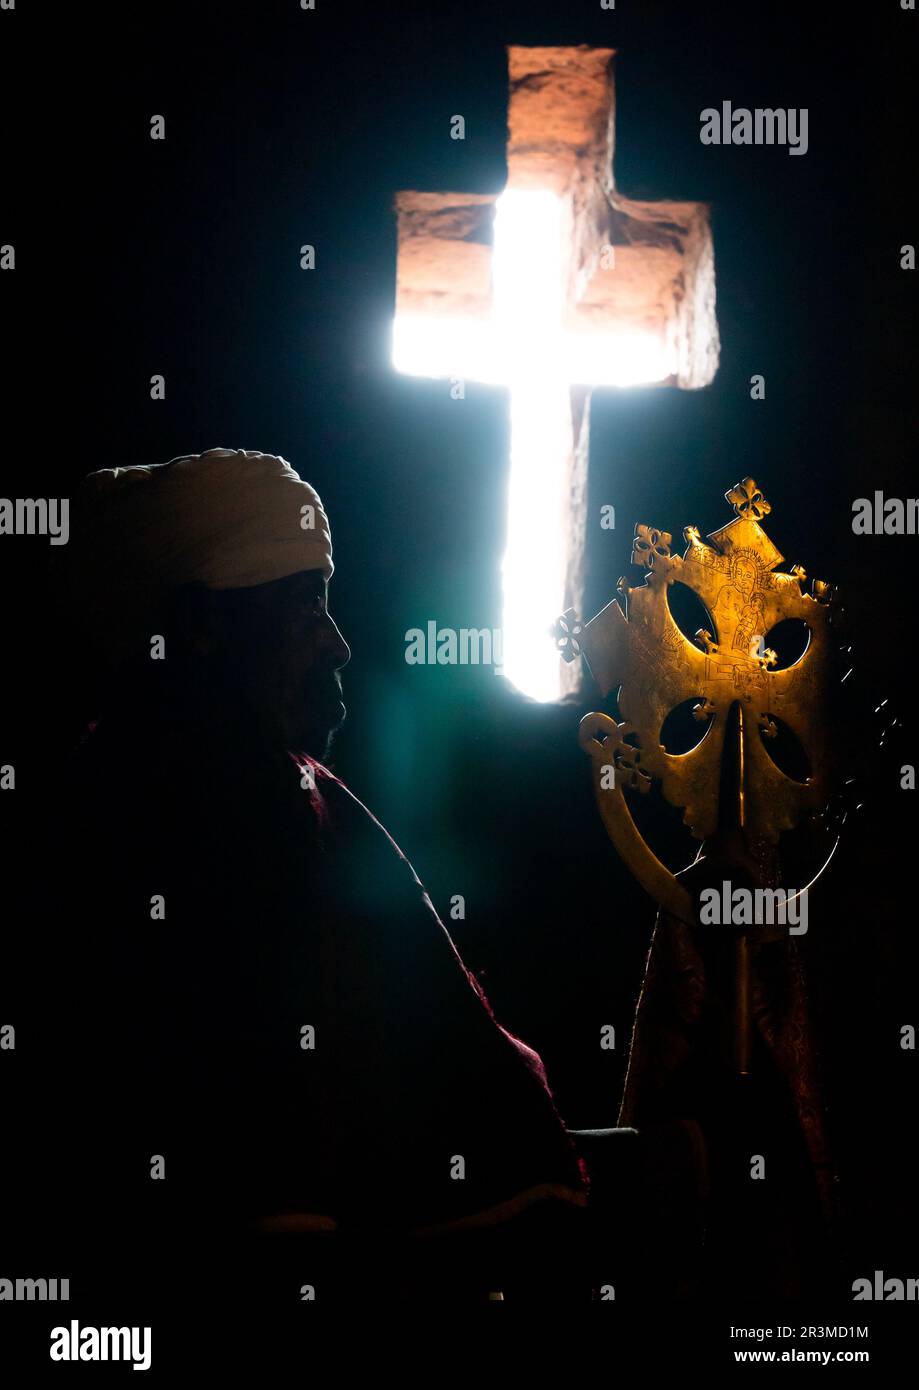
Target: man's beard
[
  {"x": 322, "y": 756},
  {"x": 324, "y": 715}
]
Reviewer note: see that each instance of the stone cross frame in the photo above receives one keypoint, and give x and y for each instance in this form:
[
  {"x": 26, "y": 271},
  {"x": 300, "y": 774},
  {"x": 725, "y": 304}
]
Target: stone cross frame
[{"x": 581, "y": 288}]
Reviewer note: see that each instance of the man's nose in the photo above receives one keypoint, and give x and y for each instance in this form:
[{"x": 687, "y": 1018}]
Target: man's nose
[{"x": 340, "y": 651}]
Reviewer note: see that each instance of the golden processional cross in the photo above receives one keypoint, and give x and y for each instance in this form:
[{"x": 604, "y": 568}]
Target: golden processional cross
[
  {"x": 558, "y": 285},
  {"x": 733, "y": 793}
]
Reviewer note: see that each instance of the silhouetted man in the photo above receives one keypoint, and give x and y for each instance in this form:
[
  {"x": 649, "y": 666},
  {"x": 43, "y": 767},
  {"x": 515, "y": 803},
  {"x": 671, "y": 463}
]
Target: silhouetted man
[{"x": 251, "y": 1011}]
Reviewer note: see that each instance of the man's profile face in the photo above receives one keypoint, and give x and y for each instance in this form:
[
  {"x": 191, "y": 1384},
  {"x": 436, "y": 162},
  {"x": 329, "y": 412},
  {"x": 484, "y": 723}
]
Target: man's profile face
[{"x": 285, "y": 648}]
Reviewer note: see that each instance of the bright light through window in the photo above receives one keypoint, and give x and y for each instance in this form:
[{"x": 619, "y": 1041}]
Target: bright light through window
[{"x": 526, "y": 347}]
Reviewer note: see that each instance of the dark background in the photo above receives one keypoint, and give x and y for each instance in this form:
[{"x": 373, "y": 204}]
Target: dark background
[{"x": 182, "y": 257}]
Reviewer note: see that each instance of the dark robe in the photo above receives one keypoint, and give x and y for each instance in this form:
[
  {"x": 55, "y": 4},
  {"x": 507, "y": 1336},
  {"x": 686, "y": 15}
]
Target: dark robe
[
  {"x": 771, "y": 1234},
  {"x": 207, "y": 908}
]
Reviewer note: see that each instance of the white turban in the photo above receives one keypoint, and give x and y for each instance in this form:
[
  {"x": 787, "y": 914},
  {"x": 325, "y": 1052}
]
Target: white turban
[{"x": 227, "y": 518}]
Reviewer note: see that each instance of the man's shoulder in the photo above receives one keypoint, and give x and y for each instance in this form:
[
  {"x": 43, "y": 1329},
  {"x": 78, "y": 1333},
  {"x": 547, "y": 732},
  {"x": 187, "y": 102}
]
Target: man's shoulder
[
  {"x": 343, "y": 807},
  {"x": 354, "y": 832}
]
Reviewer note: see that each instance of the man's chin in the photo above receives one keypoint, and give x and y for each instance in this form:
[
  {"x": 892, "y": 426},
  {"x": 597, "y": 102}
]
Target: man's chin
[{"x": 317, "y": 740}]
